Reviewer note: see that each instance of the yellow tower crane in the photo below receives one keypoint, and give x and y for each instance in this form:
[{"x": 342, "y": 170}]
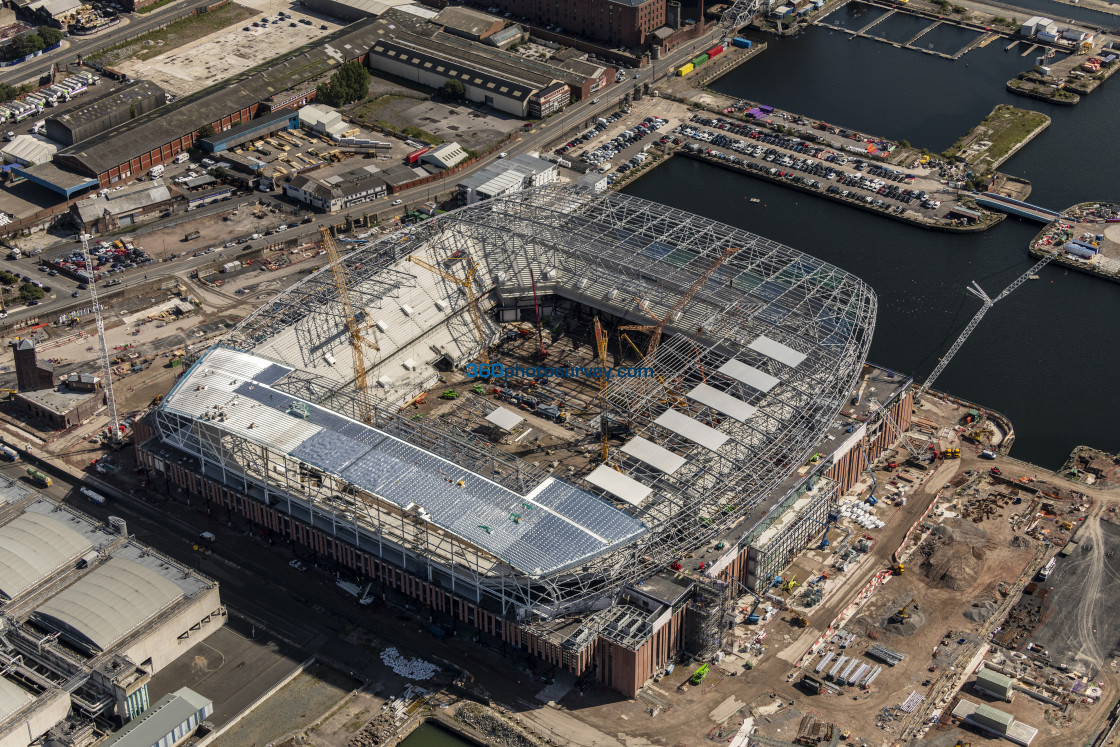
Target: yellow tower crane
[
  {"x": 604, "y": 427},
  {"x": 472, "y": 300},
  {"x": 655, "y": 330},
  {"x": 357, "y": 339}
]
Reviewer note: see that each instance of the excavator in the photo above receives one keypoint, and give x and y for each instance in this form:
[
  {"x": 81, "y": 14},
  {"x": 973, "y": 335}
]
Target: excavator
[
  {"x": 903, "y": 615},
  {"x": 898, "y": 569}
]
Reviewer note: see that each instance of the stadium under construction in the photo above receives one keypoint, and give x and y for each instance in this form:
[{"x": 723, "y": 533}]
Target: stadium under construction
[{"x": 617, "y": 547}]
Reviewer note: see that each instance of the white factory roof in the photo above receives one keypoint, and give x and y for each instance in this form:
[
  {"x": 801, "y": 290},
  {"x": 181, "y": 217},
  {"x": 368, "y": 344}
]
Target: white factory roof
[
  {"x": 29, "y": 150},
  {"x": 32, "y": 547},
  {"x": 108, "y": 603},
  {"x": 505, "y": 419},
  {"x": 12, "y": 698}
]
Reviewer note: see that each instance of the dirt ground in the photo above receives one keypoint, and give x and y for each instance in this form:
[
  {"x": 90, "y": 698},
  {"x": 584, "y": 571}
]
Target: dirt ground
[
  {"x": 197, "y": 62},
  {"x": 462, "y": 123}
]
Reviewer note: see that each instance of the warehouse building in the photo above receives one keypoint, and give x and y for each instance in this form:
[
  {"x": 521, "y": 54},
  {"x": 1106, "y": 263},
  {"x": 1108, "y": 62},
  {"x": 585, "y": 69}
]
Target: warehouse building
[
  {"x": 992, "y": 683},
  {"x": 109, "y": 210},
  {"x": 624, "y": 23},
  {"x": 105, "y": 112},
  {"x": 993, "y": 721},
  {"x": 468, "y": 23},
  {"x": 29, "y": 150},
  {"x": 255, "y": 129},
  {"x": 506, "y": 176},
  {"x": 430, "y": 63},
  {"x": 445, "y": 156},
  {"x": 169, "y": 721},
  {"x": 129, "y": 149},
  {"x": 93, "y": 616}
]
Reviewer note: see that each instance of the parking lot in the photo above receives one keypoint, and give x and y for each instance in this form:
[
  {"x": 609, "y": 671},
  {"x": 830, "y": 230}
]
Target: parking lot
[
  {"x": 888, "y": 188},
  {"x": 626, "y": 150}
]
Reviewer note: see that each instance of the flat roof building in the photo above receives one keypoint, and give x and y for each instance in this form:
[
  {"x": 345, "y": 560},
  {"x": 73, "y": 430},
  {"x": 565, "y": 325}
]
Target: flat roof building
[
  {"x": 254, "y": 129},
  {"x": 93, "y": 615},
  {"x": 505, "y": 176},
  {"x": 169, "y": 721},
  {"x": 624, "y": 23}
]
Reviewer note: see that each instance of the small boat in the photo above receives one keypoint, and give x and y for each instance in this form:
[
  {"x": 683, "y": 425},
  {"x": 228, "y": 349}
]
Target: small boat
[
  {"x": 1033, "y": 277},
  {"x": 755, "y": 199}
]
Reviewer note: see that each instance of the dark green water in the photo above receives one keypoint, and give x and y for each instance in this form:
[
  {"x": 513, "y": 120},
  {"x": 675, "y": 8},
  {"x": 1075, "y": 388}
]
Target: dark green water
[{"x": 1047, "y": 356}]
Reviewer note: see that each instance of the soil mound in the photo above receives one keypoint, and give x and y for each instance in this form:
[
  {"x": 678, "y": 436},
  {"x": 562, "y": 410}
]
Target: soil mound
[
  {"x": 981, "y": 612},
  {"x": 955, "y": 566}
]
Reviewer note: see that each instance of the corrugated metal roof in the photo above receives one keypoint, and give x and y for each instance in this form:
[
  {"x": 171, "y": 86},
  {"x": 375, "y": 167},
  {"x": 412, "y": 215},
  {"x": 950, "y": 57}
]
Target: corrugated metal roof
[
  {"x": 161, "y": 719},
  {"x": 108, "y": 603},
  {"x": 32, "y": 547}
]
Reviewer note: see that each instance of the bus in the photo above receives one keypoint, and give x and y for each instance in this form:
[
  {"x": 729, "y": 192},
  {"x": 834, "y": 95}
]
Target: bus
[{"x": 699, "y": 675}]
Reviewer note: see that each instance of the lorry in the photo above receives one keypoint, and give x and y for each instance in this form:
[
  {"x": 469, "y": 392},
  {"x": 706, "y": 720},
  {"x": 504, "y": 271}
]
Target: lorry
[
  {"x": 191, "y": 236},
  {"x": 97, "y": 498},
  {"x": 39, "y": 478},
  {"x": 9, "y": 453}
]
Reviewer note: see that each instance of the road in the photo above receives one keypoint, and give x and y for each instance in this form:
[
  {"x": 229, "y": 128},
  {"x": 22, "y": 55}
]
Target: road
[
  {"x": 537, "y": 139},
  {"x": 136, "y": 24}
]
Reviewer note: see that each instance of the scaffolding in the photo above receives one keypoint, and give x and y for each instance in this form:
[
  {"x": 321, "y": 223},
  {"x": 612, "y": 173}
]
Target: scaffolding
[{"x": 802, "y": 326}]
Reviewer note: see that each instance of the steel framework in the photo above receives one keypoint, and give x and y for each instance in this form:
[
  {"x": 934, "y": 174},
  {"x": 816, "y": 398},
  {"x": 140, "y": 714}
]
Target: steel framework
[{"x": 602, "y": 251}]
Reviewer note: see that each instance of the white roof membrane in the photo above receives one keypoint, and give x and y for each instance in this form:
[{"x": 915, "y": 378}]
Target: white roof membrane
[
  {"x": 618, "y": 484},
  {"x": 722, "y": 401},
  {"x": 647, "y": 451},
  {"x": 693, "y": 430},
  {"x": 777, "y": 351},
  {"x": 749, "y": 375}
]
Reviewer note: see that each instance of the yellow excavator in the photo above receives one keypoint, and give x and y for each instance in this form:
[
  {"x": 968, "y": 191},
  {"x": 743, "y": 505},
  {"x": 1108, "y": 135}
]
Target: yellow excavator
[
  {"x": 903, "y": 614},
  {"x": 898, "y": 569}
]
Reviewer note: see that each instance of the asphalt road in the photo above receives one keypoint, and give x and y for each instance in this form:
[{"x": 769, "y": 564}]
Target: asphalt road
[
  {"x": 537, "y": 139},
  {"x": 137, "y": 24}
]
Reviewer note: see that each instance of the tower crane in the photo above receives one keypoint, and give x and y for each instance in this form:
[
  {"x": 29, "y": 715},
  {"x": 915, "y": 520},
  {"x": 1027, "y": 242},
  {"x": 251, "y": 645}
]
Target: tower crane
[
  {"x": 988, "y": 303},
  {"x": 604, "y": 427},
  {"x": 655, "y": 330},
  {"x": 472, "y": 301},
  {"x": 881, "y": 411},
  {"x": 357, "y": 339},
  {"x": 106, "y": 371}
]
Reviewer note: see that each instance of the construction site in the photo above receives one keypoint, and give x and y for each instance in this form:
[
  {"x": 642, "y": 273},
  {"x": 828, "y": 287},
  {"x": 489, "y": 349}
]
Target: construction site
[{"x": 642, "y": 453}]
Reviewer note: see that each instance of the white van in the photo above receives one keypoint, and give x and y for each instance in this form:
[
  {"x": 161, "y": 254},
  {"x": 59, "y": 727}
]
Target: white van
[
  {"x": 182, "y": 157},
  {"x": 156, "y": 171}
]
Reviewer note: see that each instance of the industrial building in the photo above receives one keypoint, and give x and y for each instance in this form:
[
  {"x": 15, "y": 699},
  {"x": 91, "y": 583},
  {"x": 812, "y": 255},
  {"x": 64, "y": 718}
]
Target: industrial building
[
  {"x": 168, "y": 722},
  {"x": 254, "y": 129},
  {"x": 993, "y": 721},
  {"x": 111, "y": 209},
  {"x": 129, "y": 149},
  {"x": 445, "y": 156},
  {"x": 90, "y": 615},
  {"x": 105, "y": 112},
  {"x": 992, "y": 683},
  {"x": 353, "y": 10},
  {"x": 29, "y": 150},
  {"x": 506, "y": 176},
  {"x": 549, "y": 100},
  {"x": 469, "y": 24},
  {"x": 623, "y": 23},
  {"x": 54, "y": 406},
  {"x": 591, "y": 571},
  {"x": 423, "y": 52},
  {"x": 330, "y": 194}
]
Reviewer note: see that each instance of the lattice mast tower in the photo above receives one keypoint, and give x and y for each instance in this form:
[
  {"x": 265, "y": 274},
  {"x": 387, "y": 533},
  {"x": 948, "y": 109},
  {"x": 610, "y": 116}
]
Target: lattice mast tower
[{"x": 106, "y": 371}]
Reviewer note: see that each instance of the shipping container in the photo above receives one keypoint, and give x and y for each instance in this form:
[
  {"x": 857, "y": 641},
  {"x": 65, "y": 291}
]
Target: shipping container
[
  {"x": 414, "y": 156},
  {"x": 9, "y": 453},
  {"x": 739, "y": 41},
  {"x": 765, "y": 108},
  {"x": 699, "y": 60},
  {"x": 685, "y": 69},
  {"x": 714, "y": 51}
]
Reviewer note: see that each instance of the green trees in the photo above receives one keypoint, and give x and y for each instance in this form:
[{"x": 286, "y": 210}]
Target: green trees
[
  {"x": 350, "y": 83},
  {"x": 27, "y": 292},
  {"x": 453, "y": 89}
]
